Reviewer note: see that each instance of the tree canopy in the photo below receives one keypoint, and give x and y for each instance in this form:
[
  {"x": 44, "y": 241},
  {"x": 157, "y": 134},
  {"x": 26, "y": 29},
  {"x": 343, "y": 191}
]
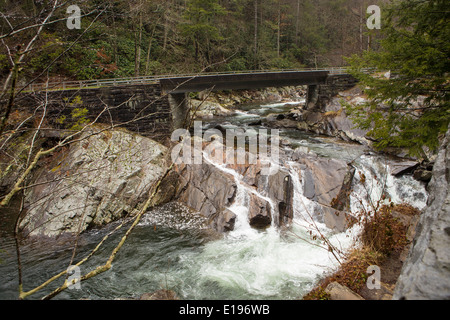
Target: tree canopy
[
  {"x": 144, "y": 37},
  {"x": 409, "y": 106}
]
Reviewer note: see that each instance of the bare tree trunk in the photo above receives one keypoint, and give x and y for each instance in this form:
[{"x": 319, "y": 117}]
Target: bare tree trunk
[
  {"x": 256, "y": 34},
  {"x": 166, "y": 25},
  {"x": 279, "y": 29},
  {"x": 138, "y": 43},
  {"x": 297, "y": 24},
  {"x": 149, "y": 50},
  {"x": 361, "y": 22}
]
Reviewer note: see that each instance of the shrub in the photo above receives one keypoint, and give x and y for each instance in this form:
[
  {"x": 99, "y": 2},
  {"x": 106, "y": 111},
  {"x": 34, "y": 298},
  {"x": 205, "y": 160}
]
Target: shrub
[{"x": 383, "y": 232}]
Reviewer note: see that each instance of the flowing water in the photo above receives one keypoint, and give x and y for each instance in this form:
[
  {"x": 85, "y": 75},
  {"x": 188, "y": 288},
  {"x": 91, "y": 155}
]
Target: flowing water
[{"x": 172, "y": 249}]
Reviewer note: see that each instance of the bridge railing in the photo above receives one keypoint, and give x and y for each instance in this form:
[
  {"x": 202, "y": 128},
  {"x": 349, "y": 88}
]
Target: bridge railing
[{"x": 153, "y": 79}]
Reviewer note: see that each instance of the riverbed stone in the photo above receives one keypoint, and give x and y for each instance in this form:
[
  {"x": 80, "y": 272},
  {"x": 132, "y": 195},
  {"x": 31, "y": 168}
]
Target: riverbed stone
[
  {"x": 207, "y": 190},
  {"x": 225, "y": 221},
  {"x": 324, "y": 177},
  {"x": 340, "y": 292},
  {"x": 260, "y": 216}
]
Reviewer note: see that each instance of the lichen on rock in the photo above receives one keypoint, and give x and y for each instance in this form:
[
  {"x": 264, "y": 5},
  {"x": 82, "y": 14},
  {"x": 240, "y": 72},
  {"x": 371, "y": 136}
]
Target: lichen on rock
[{"x": 103, "y": 177}]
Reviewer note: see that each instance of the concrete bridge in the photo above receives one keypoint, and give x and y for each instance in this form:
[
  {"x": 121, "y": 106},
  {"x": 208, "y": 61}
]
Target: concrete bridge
[{"x": 156, "y": 105}]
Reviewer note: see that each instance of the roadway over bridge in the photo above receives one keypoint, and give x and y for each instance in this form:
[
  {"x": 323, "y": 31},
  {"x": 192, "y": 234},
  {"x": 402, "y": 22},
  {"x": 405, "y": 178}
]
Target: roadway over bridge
[
  {"x": 239, "y": 81},
  {"x": 261, "y": 78}
]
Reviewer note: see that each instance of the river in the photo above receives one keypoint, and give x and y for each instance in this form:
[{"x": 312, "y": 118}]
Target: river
[{"x": 170, "y": 249}]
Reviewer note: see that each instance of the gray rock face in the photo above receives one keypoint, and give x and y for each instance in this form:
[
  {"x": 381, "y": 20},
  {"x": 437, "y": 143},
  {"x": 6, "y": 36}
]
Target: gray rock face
[
  {"x": 225, "y": 221},
  {"x": 260, "y": 216},
  {"x": 324, "y": 177},
  {"x": 426, "y": 272},
  {"x": 332, "y": 119},
  {"x": 209, "y": 191},
  {"x": 328, "y": 183},
  {"x": 281, "y": 190},
  {"x": 99, "y": 180}
]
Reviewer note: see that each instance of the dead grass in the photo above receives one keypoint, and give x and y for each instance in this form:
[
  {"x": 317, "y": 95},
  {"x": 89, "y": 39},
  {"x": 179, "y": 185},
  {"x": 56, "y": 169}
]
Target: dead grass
[{"x": 382, "y": 239}]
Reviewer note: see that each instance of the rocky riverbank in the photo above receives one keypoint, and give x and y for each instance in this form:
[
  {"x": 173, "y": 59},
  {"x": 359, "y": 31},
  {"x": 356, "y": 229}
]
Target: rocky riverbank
[
  {"x": 106, "y": 175},
  {"x": 418, "y": 269},
  {"x": 207, "y": 105}
]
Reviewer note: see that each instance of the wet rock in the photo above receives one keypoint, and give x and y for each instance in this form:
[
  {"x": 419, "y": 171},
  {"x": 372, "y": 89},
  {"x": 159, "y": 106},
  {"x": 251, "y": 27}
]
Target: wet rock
[
  {"x": 342, "y": 200},
  {"x": 255, "y": 123},
  {"x": 335, "y": 219},
  {"x": 205, "y": 188},
  {"x": 423, "y": 175},
  {"x": 259, "y": 212},
  {"x": 333, "y": 121},
  {"x": 274, "y": 117},
  {"x": 225, "y": 221},
  {"x": 323, "y": 177},
  {"x": 403, "y": 167},
  {"x": 281, "y": 190},
  {"x": 327, "y": 182}
]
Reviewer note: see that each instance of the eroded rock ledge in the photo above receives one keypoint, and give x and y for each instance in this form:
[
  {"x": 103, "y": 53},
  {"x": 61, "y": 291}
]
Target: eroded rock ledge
[{"x": 96, "y": 181}]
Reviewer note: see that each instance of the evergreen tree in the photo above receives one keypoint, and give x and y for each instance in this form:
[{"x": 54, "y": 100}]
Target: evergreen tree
[
  {"x": 410, "y": 108},
  {"x": 201, "y": 27}
]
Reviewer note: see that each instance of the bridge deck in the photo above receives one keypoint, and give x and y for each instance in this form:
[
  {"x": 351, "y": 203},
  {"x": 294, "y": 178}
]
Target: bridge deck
[
  {"x": 175, "y": 80},
  {"x": 242, "y": 81}
]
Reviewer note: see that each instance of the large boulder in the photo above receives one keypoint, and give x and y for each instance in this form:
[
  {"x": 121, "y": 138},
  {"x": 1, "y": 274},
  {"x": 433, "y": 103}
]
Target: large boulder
[
  {"x": 209, "y": 191},
  {"x": 328, "y": 183},
  {"x": 260, "y": 215},
  {"x": 322, "y": 177},
  {"x": 426, "y": 272},
  {"x": 97, "y": 180},
  {"x": 280, "y": 189}
]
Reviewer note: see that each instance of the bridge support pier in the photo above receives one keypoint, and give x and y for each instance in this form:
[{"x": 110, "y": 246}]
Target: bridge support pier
[
  {"x": 180, "y": 110},
  {"x": 312, "y": 96}
]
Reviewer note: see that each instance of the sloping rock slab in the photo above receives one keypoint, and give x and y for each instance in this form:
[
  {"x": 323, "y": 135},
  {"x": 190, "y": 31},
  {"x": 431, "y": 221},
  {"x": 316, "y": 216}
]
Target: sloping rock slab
[{"x": 100, "y": 179}]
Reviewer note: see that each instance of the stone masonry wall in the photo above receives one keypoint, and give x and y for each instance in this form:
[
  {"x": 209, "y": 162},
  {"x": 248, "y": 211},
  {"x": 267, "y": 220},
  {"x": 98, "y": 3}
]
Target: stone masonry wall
[
  {"x": 334, "y": 85},
  {"x": 140, "y": 108}
]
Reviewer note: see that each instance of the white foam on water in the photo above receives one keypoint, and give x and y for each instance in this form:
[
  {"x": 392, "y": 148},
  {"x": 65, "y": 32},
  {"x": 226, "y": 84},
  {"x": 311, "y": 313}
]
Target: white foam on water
[{"x": 268, "y": 264}]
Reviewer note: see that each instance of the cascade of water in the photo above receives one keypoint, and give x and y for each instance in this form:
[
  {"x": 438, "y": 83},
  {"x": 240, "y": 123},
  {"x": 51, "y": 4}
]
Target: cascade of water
[
  {"x": 240, "y": 206},
  {"x": 305, "y": 210},
  {"x": 373, "y": 180}
]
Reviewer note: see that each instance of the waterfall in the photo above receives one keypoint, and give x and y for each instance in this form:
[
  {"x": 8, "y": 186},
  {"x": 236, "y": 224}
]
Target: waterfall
[
  {"x": 305, "y": 210},
  {"x": 372, "y": 180},
  {"x": 240, "y": 206}
]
